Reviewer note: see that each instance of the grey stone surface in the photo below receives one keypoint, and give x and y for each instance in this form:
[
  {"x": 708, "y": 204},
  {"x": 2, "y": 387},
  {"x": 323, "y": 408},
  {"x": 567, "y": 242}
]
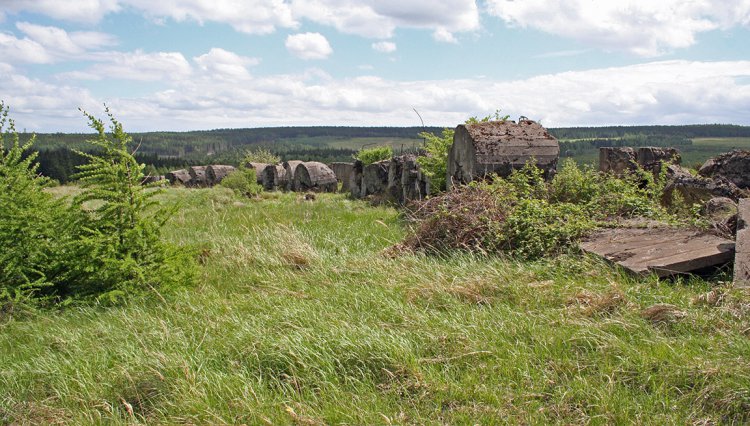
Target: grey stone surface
[
  {"x": 742, "y": 255},
  {"x": 617, "y": 160},
  {"x": 662, "y": 251},
  {"x": 651, "y": 157},
  {"x": 499, "y": 147},
  {"x": 314, "y": 176},
  {"x": 698, "y": 190},
  {"x": 733, "y": 166},
  {"x": 343, "y": 173}
]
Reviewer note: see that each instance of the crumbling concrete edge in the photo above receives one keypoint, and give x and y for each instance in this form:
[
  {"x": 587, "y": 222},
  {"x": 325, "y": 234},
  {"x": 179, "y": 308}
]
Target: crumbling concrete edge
[{"x": 742, "y": 246}]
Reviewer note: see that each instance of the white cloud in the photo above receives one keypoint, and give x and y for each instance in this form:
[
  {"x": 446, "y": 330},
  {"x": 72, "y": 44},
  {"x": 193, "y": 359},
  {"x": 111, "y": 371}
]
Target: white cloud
[
  {"x": 224, "y": 63},
  {"x": 368, "y": 18},
  {"x": 380, "y": 18},
  {"x": 443, "y": 35},
  {"x": 13, "y": 49},
  {"x": 137, "y": 65},
  {"x": 308, "y": 46},
  {"x": 384, "y": 46},
  {"x": 44, "y": 44},
  {"x": 88, "y": 11},
  {"x": 62, "y": 43},
  {"x": 247, "y": 16},
  {"x": 643, "y": 27},
  {"x": 667, "y": 92}
]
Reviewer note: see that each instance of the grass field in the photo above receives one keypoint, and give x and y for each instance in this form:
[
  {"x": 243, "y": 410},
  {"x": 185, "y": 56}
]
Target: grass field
[{"x": 300, "y": 317}]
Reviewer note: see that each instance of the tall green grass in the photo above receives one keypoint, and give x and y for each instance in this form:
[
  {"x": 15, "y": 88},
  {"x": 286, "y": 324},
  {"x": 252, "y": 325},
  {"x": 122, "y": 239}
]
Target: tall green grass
[{"x": 302, "y": 316}]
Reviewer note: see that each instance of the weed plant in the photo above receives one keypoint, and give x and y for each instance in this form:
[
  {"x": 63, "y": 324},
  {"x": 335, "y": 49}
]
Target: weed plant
[
  {"x": 375, "y": 154},
  {"x": 528, "y": 217}
]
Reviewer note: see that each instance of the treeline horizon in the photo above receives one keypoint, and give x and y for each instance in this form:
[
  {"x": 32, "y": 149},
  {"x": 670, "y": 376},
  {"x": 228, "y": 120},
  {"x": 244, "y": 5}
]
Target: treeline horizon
[{"x": 164, "y": 151}]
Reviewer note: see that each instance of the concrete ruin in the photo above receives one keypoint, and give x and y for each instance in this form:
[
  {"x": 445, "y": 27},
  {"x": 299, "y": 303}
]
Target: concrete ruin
[
  {"x": 216, "y": 173},
  {"x": 650, "y": 158},
  {"x": 316, "y": 177},
  {"x": 274, "y": 177},
  {"x": 698, "y": 189},
  {"x": 343, "y": 172},
  {"x": 290, "y": 168},
  {"x": 374, "y": 178},
  {"x": 147, "y": 180},
  {"x": 258, "y": 167},
  {"x": 396, "y": 180},
  {"x": 405, "y": 180},
  {"x": 197, "y": 176},
  {"x": 733, "y": 166},
  {"x": 618, "y": 161},
  {"x": 181, "y": 177},
  {"x": 622, "y": 160},
  {"x": 500, "y": 147},
  {"x": 742, "y": 246},
  {"x": 355, "y": 179}
]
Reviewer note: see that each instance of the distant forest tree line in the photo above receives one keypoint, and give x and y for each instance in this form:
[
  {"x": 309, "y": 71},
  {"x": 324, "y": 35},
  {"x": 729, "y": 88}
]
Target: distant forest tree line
[{"x": 164, "y": 151}]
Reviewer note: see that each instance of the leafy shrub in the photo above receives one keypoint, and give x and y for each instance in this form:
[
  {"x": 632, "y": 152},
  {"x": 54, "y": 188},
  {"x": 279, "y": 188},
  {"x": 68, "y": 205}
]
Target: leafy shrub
[
  {"x": 121, "y": 252},
  {"x": 526, "y": 216},
  {"x": 105, "y": 246},
  {"x": 373, "y": 155},
  {"x": 435, "y": 164},
  {"x": 260, "y": 155},
  {"x": 243, "y": 181},
  {"x": 32, "y": 222}
]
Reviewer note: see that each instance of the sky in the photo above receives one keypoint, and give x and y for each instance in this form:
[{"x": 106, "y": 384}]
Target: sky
[{"x": 207, "y": 64}]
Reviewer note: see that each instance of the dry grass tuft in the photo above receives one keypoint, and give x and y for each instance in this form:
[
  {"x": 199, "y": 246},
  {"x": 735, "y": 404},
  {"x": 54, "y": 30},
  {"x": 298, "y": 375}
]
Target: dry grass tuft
[
  {"x": 663, "y": 314},
  {"x": 294, "y": 249},
  {"x": 475, "y": 290},
  {"x": 465, "y": 219},
  {"x": 599, "y": 304}
]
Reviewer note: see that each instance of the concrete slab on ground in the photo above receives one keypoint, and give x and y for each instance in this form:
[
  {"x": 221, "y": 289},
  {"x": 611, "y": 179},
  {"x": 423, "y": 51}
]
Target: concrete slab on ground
[{"x": 663, "y": 251}]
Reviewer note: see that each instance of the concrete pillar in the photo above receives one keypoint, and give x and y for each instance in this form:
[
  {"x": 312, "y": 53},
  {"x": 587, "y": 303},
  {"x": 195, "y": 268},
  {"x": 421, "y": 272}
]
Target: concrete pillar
[{"x": 742, "y": 247}]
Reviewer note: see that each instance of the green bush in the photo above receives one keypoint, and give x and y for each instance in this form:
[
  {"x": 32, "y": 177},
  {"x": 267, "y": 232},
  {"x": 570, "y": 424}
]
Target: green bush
[
  {"x": 243, "y": 181},
  {"x": 435, "y": 164},
  {"x": 32, "y": 222},
  {"x": 260, "y": 155},
  {"x": 373, "y": 155},
  {"x": 119, "y": 241},
  {"x": 104, "y": 246},
  {"x": 528, "y": 217}
]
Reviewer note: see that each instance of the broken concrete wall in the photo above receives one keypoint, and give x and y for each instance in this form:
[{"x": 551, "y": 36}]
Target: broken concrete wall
[
  {"x": 733, "y": 166},
  {"x": 355, "y": 180},
  {"x": 742, "y": 245},
  {"x": 216, "y": 173},
  {"x": 650, "y": 158},
  {"x": 314, "y": 176},
  {"x": 622, "y": 160},
  {"x": 290, "y": 167},
  {"x": 617, "y": 160},
  {"x": 500, "y": 147},
  {"x": 698, "y": 190},
  {"x": 405, "y": 179},
  {"x": 273, "y": 177},
  {"x": 343, "y": 173},
  {"x": 197, "y": 176},
  {"x": 375, "y": 178},
  {"x": 258, "y": 168},
  {"x": 181, "y": 177}
]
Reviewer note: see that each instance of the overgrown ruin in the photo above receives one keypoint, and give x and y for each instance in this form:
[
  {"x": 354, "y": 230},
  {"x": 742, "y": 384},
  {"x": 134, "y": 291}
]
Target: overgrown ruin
[{"x": 499, "y": 147}]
